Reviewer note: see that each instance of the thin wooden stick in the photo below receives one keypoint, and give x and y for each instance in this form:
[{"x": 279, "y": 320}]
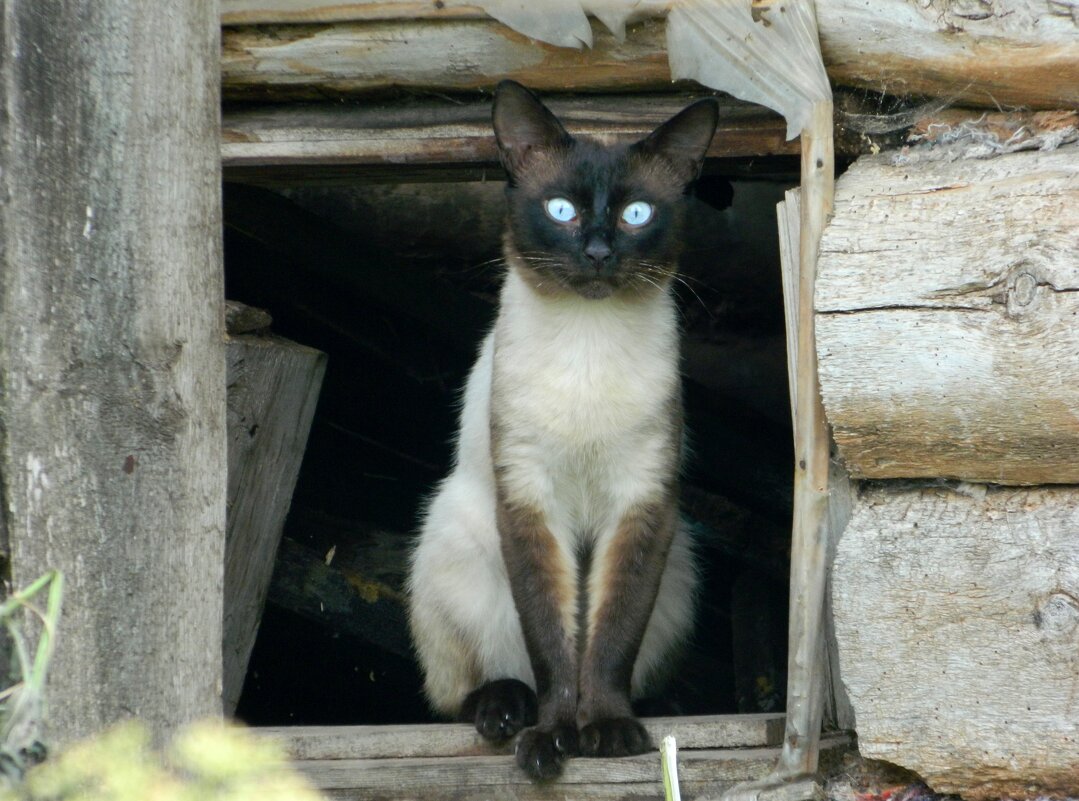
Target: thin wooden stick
[{"x": 811, "y": 448}]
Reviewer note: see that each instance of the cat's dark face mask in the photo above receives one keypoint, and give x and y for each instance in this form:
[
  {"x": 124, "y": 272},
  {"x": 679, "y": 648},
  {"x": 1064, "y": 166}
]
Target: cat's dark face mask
[{"x": 592, "y": 219}]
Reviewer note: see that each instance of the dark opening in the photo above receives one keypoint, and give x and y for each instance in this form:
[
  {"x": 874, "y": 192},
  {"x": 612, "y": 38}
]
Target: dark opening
[{"x": 397, "y": 284}]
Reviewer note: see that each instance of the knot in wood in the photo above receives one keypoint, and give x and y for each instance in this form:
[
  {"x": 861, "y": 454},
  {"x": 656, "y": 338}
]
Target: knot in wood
[
  {"x": 1022, "y": 291},
  {"x": 1024, "y": 288},
  {"x": 1059, "y": 615}
]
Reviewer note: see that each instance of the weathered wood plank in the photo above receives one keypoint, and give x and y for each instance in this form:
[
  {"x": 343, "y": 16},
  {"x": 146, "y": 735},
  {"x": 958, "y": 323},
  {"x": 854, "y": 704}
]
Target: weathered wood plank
[
  {"x": 247, "y": 12},
  {"x": 957, "y": 624},
  {"x": 273, "y": 387},
  {"x": 438, "y": 132},
  {"x": 314, "y": 61},
  {"x": 1008, "y": 53},
  {"x": 313, "y": 743},
  {"x": 701, "y": 772},
  {"x": 990, "y": 54},
  {"x": 947, "y": 308},
  {"x": 112, "y": 362}
]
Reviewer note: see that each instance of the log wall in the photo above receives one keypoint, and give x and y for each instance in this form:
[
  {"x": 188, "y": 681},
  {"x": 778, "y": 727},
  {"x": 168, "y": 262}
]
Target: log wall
[
  {"x": 995, "y": 54},
  {"x": 947, "y": 309}
]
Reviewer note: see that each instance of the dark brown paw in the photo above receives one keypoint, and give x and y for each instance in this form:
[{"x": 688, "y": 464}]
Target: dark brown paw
[
  {"x": 500, "y": 709},
  {"x": 614, "y": 737},
  {"x": 541, "y": 752}
]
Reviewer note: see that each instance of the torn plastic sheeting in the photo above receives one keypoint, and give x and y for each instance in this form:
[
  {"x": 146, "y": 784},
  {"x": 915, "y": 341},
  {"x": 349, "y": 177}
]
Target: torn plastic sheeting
[
  {"x": 763, "y": 52},
  {"x": 565, "y": 22}
]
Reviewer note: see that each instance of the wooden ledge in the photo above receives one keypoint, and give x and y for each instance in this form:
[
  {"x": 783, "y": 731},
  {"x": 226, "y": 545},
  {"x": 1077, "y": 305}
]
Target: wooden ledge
[
  {"x": 451, "y": 761},
  {"x": 460, "y": 739}
]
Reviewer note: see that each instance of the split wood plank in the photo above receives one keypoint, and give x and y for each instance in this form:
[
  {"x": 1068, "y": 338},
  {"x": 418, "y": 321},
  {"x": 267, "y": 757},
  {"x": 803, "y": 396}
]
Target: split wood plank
[
  {"x": 312, "y": 743},
  {"x": 1008, "y": 53},
  {"x": 946, "y": 313},
  {"x": 433, "y": 133},
  {"x": 272, "y": 387},
  {"x": 957, "y": 627}
]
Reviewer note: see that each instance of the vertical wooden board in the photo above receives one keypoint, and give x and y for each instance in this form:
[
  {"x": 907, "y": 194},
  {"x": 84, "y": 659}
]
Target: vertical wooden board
[
  {"x": 273, "y": 387},
  {"x": 112, "y": 380},
  {"x": 947, "y": 307},
  {"x": 957, "y": 626}
]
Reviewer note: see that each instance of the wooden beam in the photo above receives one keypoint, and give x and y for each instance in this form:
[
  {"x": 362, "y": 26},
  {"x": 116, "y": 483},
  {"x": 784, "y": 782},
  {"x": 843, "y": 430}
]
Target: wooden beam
[
  {"x": 946, "y": 314},
  {"x": 1012, "y": 53},
  {"x": 432, "y": 134},
  {"x": 112, "y": 362}
]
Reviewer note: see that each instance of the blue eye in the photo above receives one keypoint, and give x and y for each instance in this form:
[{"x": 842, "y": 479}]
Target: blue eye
[
  {"x": 637, "y": 213},
  {"x": 560, "y": 209}
]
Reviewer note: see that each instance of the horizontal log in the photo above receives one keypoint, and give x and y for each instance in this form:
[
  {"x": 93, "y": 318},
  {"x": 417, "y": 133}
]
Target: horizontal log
[
  {"x": 1009, "y": 53},
  {"x": 317, "y": 61},
  {"x": 947, "y": 300},
  {"x": 437, "y": 133},
  {"x": 957, "y": 625}
]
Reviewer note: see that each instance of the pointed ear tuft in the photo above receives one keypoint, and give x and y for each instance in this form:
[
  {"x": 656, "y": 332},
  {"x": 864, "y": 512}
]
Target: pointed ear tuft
[
  {"x": 523, "y": 124},
  {"x": 683, "y": 140}
]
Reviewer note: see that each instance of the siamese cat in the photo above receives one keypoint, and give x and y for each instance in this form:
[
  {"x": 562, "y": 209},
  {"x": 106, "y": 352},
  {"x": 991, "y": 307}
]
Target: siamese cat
[{"x": 552, "y": 579}]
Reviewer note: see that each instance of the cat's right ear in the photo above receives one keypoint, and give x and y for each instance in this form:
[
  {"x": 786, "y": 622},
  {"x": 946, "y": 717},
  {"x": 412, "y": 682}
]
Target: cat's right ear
[{"x": 522, "y": 126}]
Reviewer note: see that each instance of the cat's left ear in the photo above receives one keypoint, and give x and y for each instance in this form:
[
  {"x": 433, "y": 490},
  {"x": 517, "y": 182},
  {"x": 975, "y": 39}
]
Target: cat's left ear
[{"x": 683, "y": 140}]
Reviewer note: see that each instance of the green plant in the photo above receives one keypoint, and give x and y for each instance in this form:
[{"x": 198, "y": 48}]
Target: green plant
[
  {"x": 207, "y": 761},
  {"x": 22, "y": 704}
]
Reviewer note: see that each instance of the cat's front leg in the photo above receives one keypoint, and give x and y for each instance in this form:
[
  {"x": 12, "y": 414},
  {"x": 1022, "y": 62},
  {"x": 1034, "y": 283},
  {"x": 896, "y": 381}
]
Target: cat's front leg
[
  {"x": 623, "y": 586},
  {"x": 544, "y": 591}
]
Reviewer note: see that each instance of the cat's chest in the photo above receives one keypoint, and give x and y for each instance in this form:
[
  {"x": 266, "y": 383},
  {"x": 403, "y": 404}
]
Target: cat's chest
[{"x": 585, "y": 373}]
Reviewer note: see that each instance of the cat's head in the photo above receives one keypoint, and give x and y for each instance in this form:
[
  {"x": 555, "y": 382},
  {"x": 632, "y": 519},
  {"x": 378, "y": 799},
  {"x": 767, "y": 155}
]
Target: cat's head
[{"x": 593, "y": 219}]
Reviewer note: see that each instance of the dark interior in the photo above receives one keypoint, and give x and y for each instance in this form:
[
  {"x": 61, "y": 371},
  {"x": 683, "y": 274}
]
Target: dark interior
[{"x": 397, "y": 284}]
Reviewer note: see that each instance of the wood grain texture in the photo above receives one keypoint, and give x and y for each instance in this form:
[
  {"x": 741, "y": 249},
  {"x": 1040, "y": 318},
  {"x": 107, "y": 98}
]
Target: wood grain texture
[
  {"x": 957, "y": 624},
  {"x": 313, "y": 61},
  {"x": 445, "y": 740},
  {"x": 947, "y": 307},
  {"x": 990, "y": 54},
  {"x": 242, "y": 12},
  {"x": 273, "y": 387},
  {"x": 437, "y": 132},
  {"x": 112, "y": 369},
  {"x": 702, "y": 773}
]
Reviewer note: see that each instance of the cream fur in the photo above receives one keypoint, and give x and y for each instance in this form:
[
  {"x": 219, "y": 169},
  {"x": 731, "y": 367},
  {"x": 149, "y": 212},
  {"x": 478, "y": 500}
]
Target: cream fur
[{"x": 585, "y": 388}]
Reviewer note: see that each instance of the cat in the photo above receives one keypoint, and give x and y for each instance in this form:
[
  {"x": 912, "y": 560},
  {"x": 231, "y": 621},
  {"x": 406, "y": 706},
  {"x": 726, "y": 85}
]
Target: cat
[{"x": 552, "y": 578}]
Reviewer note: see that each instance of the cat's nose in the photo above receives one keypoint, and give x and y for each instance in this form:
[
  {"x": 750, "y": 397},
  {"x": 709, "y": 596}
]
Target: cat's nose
[{"x": 597, "y": 252}]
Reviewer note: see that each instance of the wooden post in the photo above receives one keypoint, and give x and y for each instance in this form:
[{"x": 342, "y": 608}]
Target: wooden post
[{"x": 112, "y": 371}]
